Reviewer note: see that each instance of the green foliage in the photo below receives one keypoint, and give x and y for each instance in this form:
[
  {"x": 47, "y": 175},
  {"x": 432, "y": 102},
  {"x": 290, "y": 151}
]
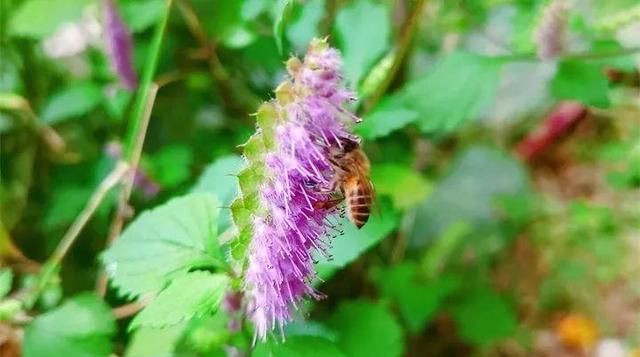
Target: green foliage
[
  {"x": 454, "y": 91},
  {"x": 312, "y": 346},
  {"x": 193, "y": 294},
  {"x": 417, "y": 299},
  {"x": 38, "y": 19},
  {"x": 76, "y": 100},
  {"x": 388, "y": 116},
  {"x": 469, "y": 192},
  {"x": 484, "y": 317},
  {"x": 361, "y": 43},
  {"x": 406, "y": 187},
  {"x": 354, "y": 242},
  {"x": 219, "y": 179},
  {"x": 304, "y": 24},
  {"x": 142, "y": 14},
  {"x": 154, "y": 342},
  {"x": 367, "y": 329},
  {"x": 283, "y": 11},
  {"x": 6, "y": 278},
  {"x": 81, "y": 327},
  {"x": 581, "y": 81},
  {"x": 171, "y": 166},
  {"x": 165, "y": 243}
]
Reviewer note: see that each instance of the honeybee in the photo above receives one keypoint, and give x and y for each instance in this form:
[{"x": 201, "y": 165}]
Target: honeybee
[{"x": 352, "y": 180}]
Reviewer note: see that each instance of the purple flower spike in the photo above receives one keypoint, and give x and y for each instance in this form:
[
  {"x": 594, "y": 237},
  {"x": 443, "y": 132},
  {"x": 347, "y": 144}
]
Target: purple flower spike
[
  {"x": 287, "y": 227},
  {"x": 119, "y": 45}
]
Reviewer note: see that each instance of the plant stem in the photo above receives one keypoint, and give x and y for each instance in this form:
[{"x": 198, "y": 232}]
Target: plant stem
[
  {"x": 136, "y": 133},
  {"x": 400, "y": 51},
  {"x": 52, "y": 264}
]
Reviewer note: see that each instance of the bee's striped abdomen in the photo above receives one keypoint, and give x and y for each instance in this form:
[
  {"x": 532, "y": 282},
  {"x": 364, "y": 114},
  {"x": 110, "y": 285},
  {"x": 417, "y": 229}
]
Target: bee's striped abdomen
[{"x": 358, "y": 197}]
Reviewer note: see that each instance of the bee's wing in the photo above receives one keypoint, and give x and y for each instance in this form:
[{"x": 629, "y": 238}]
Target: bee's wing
[{"x": 374, "y": 200}]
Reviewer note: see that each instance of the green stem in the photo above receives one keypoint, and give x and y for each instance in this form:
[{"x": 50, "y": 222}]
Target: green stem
[
  {"x": 145, "y": 86},
  {"x": 532, "y": 57}
]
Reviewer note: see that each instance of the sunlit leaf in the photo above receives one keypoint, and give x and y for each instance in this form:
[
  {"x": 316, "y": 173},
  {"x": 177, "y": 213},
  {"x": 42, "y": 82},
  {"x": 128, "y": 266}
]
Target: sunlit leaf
[
  {"x": 361, "y": 43},
  {"x": 406, "y": 187},
  {"x": 154, "y": 342},
  {"x": 81, "y": 327},
  {"x": 367, "y": 329},
  {"x": 190, "y": 295},
  {"x": 164, "y": 243},
  {"x": 139, "y": 15},
  {"x": 38, "y": 19}
]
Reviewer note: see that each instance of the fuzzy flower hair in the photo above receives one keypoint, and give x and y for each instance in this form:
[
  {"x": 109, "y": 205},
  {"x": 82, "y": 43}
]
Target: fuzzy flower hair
[{"x": 288, "y": 164}]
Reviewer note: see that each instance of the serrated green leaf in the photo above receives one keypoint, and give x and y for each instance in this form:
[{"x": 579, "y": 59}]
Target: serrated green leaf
[
  {"x": 81, "y": 327},
  {"x": 484, "y": 317},
  {"x": 367, "y": 329},
  {"x": 361, "y": 43},
  {"x": 283, "y": 11},
  {"x": 6, "y": 279},
  {"x": 194, "y": 294},
  {"x": 164, "y": 243},
  {"x": 354, "y": 242},
  {"x": 406, "y": 187},
  {"x": 154, "y": 342},
  {"x": 77, "y": 99},
  {"x": 38, "y": 19},
  {"x": 390, "y": 115},
  {"x": 417, "y": 300},
  {"x": 581, "y": 81},
  {"x": 294, "y": 346},
  {"x": 456, "y": 90}
]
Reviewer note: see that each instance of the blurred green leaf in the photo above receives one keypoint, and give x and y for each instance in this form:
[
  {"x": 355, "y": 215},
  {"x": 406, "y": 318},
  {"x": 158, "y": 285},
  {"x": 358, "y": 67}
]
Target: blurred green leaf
[
  {"x": 220, "y": 179},
  {"x": 6, "y": 279},
  {"x": 38, "y": 19},
  {"x": 469, "y": 192},
  {"x": 253, "y": 8},
  {"x": 406, "y": 187},
  {"x": 140, "y": 15},
  {"x": 294, "y": 346},
  {"x": 81, "y": 327},
  {"x": 354, "y": 242},
  {"x": 164, "y": 243},
  {"x": 304, "y": 23},
  {"x": 389, "y": 115},
  {"x": 484, "y": 317},
  {"x": 418, "y": 300},
  {"x": 76, "y": 100},
  {"x": 581, "y": 81},
  {"x": 309, "y": 328},
  {"x": 284, "y": 9},
  {"x": 367, "y": 329},
  {"x": 436, "y": 256},
  {"x": 154, "y": 342},
  {"x": 65, "y": 204},
  {"x": 171, "y": 166},
  {"x": 187, "y": 296},
  {"x": 361, "y": 43},
  {"x": 454, "y": 91}
]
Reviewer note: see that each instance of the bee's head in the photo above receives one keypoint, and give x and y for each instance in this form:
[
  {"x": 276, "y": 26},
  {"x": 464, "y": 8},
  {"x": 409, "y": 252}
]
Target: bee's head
[{"x": 349, "y": 144}]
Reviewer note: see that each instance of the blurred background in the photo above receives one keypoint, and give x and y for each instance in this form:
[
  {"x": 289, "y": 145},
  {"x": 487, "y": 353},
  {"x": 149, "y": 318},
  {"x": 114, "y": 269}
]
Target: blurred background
[{"x": 504, "y": 137}]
